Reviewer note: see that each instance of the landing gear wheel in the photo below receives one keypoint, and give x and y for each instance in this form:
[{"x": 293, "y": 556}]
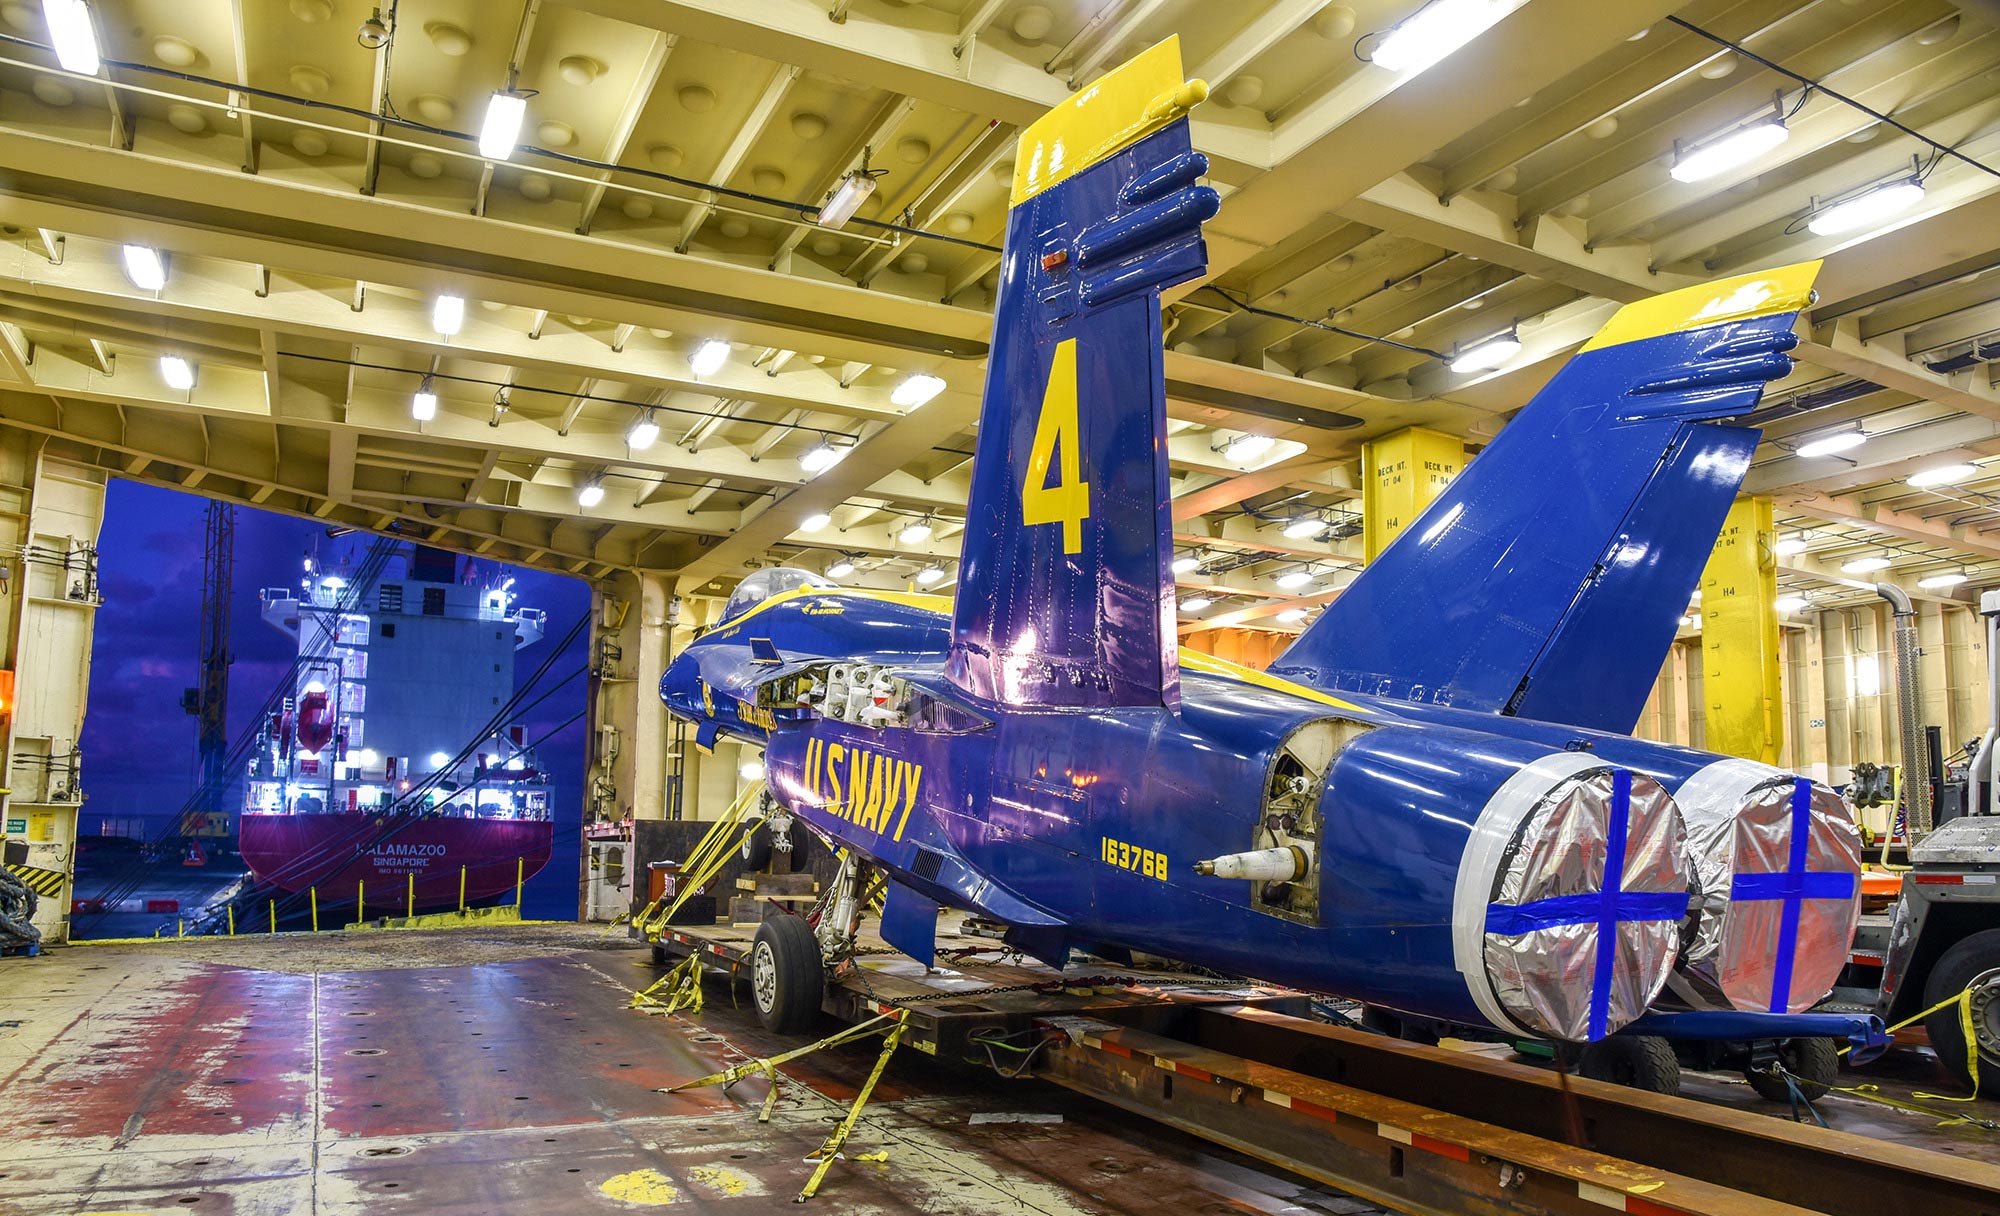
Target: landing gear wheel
[
  {"x": 787, "y": 978},
  {"x": 1813, "y": 1063},
  {"x": 758, "y": 847},
  {"x": 1640, "y": 1061},
  {"x": 1974, "y": 963}
]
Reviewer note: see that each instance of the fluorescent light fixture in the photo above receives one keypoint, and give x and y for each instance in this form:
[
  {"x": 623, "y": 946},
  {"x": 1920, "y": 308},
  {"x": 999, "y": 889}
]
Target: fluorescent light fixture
[
  {"x": 1738, "y": 147},
  {"x": 1689, "y": 622},
  {"x": 915, "y": 390},
  {"x": 177, "y": 372},
  {"x": 1247, "y": 447},
  {"x": 819, "y": 457},
  {"x": 1186, "y": 565},
  {"x": 1292, "y": 616},
  {"x": 144, "y": 267},
  {"x": 1292, "y": 580},
  {"x": 502, "y": 128},
  {"x": 815, "y": 521},
  {"x": 1867, "y": 208},
  {"x": 439, "y": 759},
  {"x": 1864, "y": 565},
  {"x": 709, "y": 357},
  {"x": 424, "y": 404},
  {"x": 916, "y": 533},
  {"x": 1943, "y": 475},
  {"x": 1695, "y": 598},
  {"x": 1196, "y": 604},
  {"x": 590, "y": 493},
  {"x": 74, "y": 37},
  {"x": 448, "y": 315},
  {"x": 1791, "y": 546},
  {"x": 1487, "y": 355},
  {"x": 1936, "y": 582},
  {"x": 642, "y": 433},
  {"x": 840, "y": 569},
  {"x": 1305, "y": 526},
  {"x": 1436, "y": 30},
  {"x": 1791, "y": 603},
  {"x": 930, "y": 576},
  {"x": 751, "y": 770},
  {"x": 1827, "y": 445},
  {"x": 847, "y": 198}
]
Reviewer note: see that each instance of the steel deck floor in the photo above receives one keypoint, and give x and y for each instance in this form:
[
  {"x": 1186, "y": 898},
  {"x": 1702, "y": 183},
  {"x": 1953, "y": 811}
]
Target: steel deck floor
[{"x": 499, "y": 1070}]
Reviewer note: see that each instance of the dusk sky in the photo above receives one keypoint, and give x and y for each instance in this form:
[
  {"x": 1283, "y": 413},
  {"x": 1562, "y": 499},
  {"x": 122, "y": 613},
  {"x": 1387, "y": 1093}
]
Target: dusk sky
[{"x": 138, "y": 744}]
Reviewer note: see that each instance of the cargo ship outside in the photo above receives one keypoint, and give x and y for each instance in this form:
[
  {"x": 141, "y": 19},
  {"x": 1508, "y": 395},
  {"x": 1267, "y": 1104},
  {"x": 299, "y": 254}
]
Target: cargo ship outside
[{"x": 390, "y": 768}]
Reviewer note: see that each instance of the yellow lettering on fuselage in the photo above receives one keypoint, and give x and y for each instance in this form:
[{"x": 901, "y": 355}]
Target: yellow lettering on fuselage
[{"x": 876, "y": 783}]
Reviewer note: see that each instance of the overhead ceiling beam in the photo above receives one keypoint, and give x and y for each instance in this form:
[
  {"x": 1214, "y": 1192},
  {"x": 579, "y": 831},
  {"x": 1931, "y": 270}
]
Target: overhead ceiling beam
[
  {"x": 629, "y": 113},
  {"x": 746, "y": 137}
]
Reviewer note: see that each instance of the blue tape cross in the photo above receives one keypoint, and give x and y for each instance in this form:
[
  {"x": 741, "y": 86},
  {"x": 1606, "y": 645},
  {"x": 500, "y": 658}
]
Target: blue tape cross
[
  {"x": 1607, "y": 908},
  {"x": 1794, "y": 886}
]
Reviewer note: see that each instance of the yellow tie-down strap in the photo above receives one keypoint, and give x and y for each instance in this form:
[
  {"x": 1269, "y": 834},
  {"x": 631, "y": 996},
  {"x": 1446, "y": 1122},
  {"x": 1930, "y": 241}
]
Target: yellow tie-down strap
[{"x": 1131, "y": 101}]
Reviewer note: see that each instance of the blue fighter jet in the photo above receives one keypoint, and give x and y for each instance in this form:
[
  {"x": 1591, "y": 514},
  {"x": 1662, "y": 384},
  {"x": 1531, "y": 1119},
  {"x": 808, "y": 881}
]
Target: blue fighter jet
[{"x": 1431, "y": 803}]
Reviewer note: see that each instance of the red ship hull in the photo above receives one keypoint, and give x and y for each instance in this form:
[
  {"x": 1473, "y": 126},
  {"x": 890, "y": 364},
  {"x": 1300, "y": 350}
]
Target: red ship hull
[{"x": 336, "y": 854}]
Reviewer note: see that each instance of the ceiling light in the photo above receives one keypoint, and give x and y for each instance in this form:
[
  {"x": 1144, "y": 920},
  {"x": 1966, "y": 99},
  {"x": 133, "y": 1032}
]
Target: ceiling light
[
  {"x": 643, "y": 432},
  {"x": 177, "y": 372},
  {"x": 1186, "y": 565},
  {"x": 709, "y": 357},
  {"x": 1827, "y": 445},
  {"x": 1487, "y": 355},
  {"x": 1436, "y": 30},
  {"x": 448, "y": 315},
  {"x": 1305, "y": 526},
  {"x": 1943, "y": 475},
  {"x": 915, "y": 390},
  {"x": 846, "y": 199},
  {"x": 373, "y": 34},
  {"x": 1292, "y": 616},
  {"x": 930, "y": 575},
  {"x": 502, "y": 128},
  {"x": 841, "y": 568},
  {"x": 1291, "y": 580},
  {"x": 1791, "y": 546},
  {"x": 1864, "y": 565},
  {"x": 590, "y": 493},
  {"x": 751, "y": 770},
  {"x": 916, "y": 533},
  {"x": 424, "y": 404},
  {"x": 1688, "y": 622},
  {"x": 1866, "y": 208},
  {"x": 1196, "y": 604},
  {"x": 72, "y": 34},
  {"x": 144, "y": 267},
  {"x": 815, "y": 521},
  {"x": 1246, "y": 448},
  {"x": 439, "y": 759},
  {"x": 1791, "y": 603},
  {"x": 819, "y": 457},
  {"x": 1935, "y": 582},
  {"x": 1695, "y": 598},
  {"x": 1738, "y": 147}
]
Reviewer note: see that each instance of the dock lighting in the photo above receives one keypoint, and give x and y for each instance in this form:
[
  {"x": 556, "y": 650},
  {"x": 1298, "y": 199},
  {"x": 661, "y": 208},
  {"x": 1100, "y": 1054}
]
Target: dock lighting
[
  {"x": 1739, "y": 147},
  {"x": 365, "y": 758},
  {"x": 1867, "y": 207},
  {"x": 643, "y": 432},
  {"x": 819, "y": 457},
  {"x": 439, "y": 759},
  {"x": 448, "y": 315},
  {"x": 1246, "y": 448},
  {"x": 1937, "y": 582},
  {"x": 847, "y": 198},
  {"x": 1436, "y": 30},
  {"x": 333, "y": 582},
  {"x": 1864, "y": 565},
  {"x": 515, "y": 764},
  {"x": 930, "y": 576},
  {"x": 144, "y": 267},
  {"x": 177, "y": 372},
  {"x": 751, "y": 770},
  {"x": 840, "y": 568},
  {"x": 815, "y": 521},
  {"x": 709, "y": 357},
  {"x": 1292, "y": 580},
  {"x": 590, "y": 493},
  {"x": 1827, "y": 445},
  {"x": 1196, "y": 604},
  {"x": 1942, "y": 475},
  {"x": 1305, "y": 526},
  {"x": 74, "y": 36},
  {"x": 424, "y": 403},
  {"x": 502, "y": 128},
  {"x": 1487, "y": 355},
  {"x": 1186, "y": 564},
  {"x": 1791, "y": 546},
  {"x": 915, "y": 390},
  {"x": 1292, "y": 616},
  {"x": 1790, "y": 604},
  {"x": 915, "y": 533}
]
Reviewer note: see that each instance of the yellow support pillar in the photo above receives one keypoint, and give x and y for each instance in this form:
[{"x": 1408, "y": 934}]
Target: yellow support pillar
[
  {"x": 1401, "y": 474},
  {"x": 1740, "y": 656}
]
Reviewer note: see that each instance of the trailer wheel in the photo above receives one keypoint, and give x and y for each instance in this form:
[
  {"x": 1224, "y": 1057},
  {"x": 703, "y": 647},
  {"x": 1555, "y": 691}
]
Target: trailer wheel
[
  {"x": 1973, "y": 963},
  {"x": 1814, "y": 1066},
  {"x": 660, "y": 955},
  {"x": 1637, "y": 1061},
  {"x": 787, "y": 976}
]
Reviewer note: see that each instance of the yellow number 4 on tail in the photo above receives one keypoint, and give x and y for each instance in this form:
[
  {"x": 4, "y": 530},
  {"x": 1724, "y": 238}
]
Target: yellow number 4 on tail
[{"x": 1068, "y": 501}]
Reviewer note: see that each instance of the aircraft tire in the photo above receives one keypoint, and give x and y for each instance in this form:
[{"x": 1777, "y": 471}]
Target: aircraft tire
[
  {"x": 757, "y": 848},
  {"x": 1973, "y": 962},
  {"x": 1814, "y": 1066},
  {"x": 787, "y": 976},
  {"x": 1640, "y": 1061}
]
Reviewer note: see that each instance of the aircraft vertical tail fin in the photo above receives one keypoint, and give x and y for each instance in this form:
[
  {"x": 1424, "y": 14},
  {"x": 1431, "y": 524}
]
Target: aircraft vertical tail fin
[
  {"x": 1065, "y": 594},
  {"x": 1549, "y": 578}
]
